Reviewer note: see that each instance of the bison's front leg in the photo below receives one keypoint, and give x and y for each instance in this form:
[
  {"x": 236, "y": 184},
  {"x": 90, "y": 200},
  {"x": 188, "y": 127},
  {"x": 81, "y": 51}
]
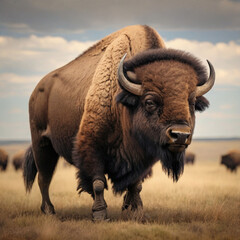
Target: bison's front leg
[
  {"x": 99, "y": 209},
  {"x": 132, "y": 203}
]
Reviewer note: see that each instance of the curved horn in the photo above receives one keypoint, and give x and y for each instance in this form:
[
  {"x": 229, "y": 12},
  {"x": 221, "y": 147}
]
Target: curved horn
[
  {"x": 125, "y": 83},
  {"x": 201, "y": 90}
]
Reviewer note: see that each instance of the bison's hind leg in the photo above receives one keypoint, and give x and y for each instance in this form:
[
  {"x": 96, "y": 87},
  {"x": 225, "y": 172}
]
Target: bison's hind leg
[{"x": 46, "y": 159}]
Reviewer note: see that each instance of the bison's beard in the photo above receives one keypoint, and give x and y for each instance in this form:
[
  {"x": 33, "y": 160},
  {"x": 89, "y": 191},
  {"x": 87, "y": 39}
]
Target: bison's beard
[
  {"x": 156, "y": 147},
  {"x": 172, "y": 162}
]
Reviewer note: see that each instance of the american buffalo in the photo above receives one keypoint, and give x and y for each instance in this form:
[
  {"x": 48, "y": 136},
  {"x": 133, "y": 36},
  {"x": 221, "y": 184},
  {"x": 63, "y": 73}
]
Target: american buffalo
[
  {"x": 115, "y": 110},
  {"x": 3, "y": 160},
  {"x": 189, "y": 158},
  {"x": 18, "y": 159},
  {"x": 231, "y": 160}
]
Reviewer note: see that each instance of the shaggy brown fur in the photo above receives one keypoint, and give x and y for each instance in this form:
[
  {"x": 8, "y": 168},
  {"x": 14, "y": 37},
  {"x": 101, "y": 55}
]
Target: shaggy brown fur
[
  {"x": 189, "y": 158},
  {"x": 18, "y": 159},
  {"x": 3, "y": 159},
  {"x": 82, "y": 107},
  {"x": 231, "y": 160}
]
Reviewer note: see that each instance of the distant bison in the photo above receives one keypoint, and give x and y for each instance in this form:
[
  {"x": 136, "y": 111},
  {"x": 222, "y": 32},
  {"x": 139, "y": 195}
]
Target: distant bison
[
  {"x": 231, "y": 160},
  {"x": 116, "y": 109},
  {"x": 18, "y": 160},
  {"x": 3, "y": 160},
  {"x": 189, "y": 158}
]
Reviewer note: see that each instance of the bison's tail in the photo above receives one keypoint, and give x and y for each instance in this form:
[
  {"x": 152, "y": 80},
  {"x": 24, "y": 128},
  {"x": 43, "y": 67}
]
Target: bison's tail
[{"x": 29, "y": 169}]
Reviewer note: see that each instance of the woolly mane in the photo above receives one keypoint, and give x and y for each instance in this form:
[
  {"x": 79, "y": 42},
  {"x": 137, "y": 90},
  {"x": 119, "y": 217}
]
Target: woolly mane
[{"x": 160, "y": 54}]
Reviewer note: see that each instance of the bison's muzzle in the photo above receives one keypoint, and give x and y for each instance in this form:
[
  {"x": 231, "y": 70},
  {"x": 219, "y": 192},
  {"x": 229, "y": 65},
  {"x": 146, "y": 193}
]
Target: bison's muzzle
[{"x": 179, "y": 137}]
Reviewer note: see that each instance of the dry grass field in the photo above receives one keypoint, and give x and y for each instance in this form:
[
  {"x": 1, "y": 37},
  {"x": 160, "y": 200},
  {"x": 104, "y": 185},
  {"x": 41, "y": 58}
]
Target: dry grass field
[{"x": 203, "y": 204}]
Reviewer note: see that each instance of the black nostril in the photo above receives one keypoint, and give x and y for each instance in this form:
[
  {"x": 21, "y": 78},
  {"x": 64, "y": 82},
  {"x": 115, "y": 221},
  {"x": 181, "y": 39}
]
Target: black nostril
[
  {"x": 179, "y": 134},
  {"x": 179, "y": 137},
  {"x": 173, "y": 135}
]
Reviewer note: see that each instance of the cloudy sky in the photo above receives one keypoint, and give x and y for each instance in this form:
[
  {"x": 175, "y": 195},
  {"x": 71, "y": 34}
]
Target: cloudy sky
[{"x": 37, "y": 37}]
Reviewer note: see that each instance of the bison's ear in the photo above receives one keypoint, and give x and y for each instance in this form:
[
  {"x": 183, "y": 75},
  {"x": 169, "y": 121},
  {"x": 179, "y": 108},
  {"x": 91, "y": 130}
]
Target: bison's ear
[
  {"x": 201, "y": 104},
  {"x": 127, "y": 99}
]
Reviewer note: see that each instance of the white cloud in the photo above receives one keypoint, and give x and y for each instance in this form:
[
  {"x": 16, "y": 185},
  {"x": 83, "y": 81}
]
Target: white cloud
[
  {"x": 224, "y": 56},
  {"x": 17, "y": 79},
  {"x": 12, "y": 84},
  {"x": 24, "y": 61},
  {"x": 37, "y": 54}
]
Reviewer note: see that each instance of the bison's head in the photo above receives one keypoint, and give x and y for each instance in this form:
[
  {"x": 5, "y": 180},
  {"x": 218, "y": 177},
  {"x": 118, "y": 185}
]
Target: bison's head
[
  {"x": 162, "y": 88},
  {"x": 226, "y": 160},
  {"x": 223, "y": 160}
]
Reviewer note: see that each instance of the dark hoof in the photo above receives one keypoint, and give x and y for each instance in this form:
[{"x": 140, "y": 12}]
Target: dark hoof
[
  {"x": 100, "y": 215},
  {"x": 49, "y": 210}
]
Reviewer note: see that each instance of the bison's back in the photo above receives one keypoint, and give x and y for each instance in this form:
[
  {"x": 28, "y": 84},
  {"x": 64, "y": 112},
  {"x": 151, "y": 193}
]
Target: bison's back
[
  {"x": 18, "y": 159},
  {"x": 235, "y": 156}
]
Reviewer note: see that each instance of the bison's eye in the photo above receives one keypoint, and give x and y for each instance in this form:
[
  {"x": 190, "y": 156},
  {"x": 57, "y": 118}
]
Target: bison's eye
[
  {"x": 150, "y": 105},
  {"x": 191, "y": 104}
]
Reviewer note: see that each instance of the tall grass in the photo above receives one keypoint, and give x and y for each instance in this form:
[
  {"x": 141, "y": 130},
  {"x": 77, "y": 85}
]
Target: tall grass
[{"x": 203, "y": 204}]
